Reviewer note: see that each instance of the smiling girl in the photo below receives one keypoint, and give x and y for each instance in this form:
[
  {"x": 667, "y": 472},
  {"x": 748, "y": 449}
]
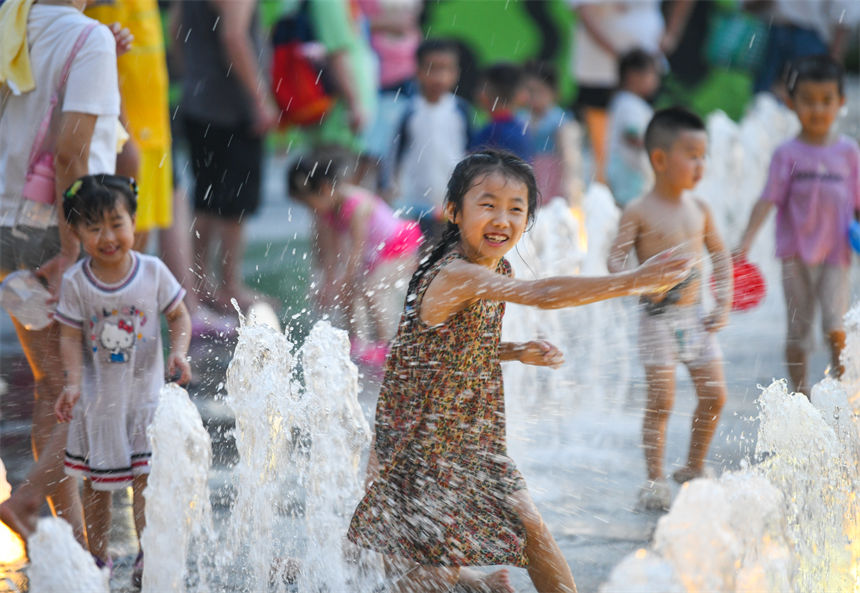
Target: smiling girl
[
  {"x": 443, "y": 493},
  {"x": 110, "y": 344}
]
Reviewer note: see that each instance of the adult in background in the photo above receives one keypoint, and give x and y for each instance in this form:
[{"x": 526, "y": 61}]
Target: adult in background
[
  {"x": 143, "y": 83},
  {"x": 227, "y": 110},
  {"x": 604, "y": 32},
  {"x": 83, "y": 140}
]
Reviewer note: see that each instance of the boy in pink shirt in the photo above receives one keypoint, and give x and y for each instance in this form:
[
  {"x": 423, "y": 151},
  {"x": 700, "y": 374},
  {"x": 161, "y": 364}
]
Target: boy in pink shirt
[{"x": 814, "y": 182}]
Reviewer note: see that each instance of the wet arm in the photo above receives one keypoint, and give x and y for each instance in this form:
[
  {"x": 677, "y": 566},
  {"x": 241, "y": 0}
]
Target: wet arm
[
  {"x": 70, "y": 351},
  {"x": 462, "y": 283},
  {"x": 757, "y": 218},
  {"x": 721, "y": 261},
  {"x": 179, "y": 327}
]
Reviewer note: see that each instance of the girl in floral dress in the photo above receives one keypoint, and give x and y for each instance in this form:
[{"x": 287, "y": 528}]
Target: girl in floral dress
[{"x": 443, "y": 493}]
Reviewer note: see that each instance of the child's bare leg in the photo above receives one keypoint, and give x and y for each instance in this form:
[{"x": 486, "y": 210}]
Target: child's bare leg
[
  {"x": 547, "y": 568},
  {"x": 139, "y": 504},
  {"x": 474, "y": 581},
  {"x": 426, "y": 579},
  {"x": 795, "y": 358},
  {"x": 711, "y": 393},
  {"x": 836, "y": 341},
  {"x": 661, "y": 397},
  {"x": 97, "y": 513}
]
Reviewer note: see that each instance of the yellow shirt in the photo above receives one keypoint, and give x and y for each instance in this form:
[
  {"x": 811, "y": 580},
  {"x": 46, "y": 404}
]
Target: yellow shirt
[{"x": 142, "y": 70}]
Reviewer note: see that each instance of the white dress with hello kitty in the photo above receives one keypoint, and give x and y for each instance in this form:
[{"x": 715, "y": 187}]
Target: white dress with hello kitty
[{"x": 123, "y": 369}]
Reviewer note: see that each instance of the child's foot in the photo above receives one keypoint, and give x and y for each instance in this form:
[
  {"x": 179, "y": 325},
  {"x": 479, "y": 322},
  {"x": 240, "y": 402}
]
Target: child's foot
[
  {"x": 137, "y": 571},
  {"x": 497, "y": 581},
  {"x": 655, "y": 495},
  {"x": 104, "y": 564},
  {"x": 687, "y": 473}
]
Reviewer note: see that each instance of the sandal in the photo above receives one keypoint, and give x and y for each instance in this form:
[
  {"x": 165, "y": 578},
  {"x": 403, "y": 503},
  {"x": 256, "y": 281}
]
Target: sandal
[{"x": 137, "y": 571}]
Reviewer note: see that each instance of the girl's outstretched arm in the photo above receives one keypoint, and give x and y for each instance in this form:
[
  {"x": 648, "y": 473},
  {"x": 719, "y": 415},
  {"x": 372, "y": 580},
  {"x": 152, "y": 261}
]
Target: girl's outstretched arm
[{"x": 462, "y": 283}]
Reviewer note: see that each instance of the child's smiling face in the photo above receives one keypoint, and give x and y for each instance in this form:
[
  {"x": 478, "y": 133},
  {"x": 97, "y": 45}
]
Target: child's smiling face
[
  {"x": 493, "y": 217},
  {"x": 817, "y": 104},
  {"x": 108, "y": 240}
]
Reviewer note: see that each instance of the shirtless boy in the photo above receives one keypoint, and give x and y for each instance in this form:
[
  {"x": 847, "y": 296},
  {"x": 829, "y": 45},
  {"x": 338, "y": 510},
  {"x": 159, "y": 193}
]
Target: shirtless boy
[{"x": 672, "y": 326}]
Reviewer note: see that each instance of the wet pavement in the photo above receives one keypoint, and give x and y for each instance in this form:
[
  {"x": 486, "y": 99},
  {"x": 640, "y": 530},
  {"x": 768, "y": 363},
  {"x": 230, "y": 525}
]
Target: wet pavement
[{"x": 581, "y": 458}]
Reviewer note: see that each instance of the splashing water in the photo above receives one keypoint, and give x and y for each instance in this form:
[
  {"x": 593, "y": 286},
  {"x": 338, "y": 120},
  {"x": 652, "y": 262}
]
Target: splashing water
[
  {"x": 59, "y": 563},
  {"x": 178, "y": 513},
  {"x": 262, "y": 395}
]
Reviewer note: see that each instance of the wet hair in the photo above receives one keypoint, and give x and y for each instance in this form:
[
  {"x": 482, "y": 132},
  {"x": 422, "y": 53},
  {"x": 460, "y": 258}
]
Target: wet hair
[
  {"x": 89, "y": 198},
  {"x": 542, "y": 71},
  {"x": 820, "y": 68},
  {"x": 667, "y": 124},
  {"x": 637, "y": 60},
  {"x": 433, "y": 46},
  {"x": 309, "y": 172},
  {"x": 503, "y": 80},
  {"x": 466, "y": 175}
]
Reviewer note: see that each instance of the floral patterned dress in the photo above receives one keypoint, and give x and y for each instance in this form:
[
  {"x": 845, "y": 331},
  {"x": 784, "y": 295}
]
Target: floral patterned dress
[{"x": 442, "y": 496}]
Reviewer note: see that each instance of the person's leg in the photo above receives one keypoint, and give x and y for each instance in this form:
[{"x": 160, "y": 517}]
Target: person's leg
[
  {"x": 97, "y": 512},
  {"x": 42, "y": 350},
  {"x": 800, "y": 310},
  {"x": 710, "y": 385},
  {"x": 548, "y": 569},
  {"x": 597, "y": 125},
  {"x": 139, "y": 504},
  {"x": 661, "y": 397},
  {"x": 205, "y": 232},
  {"x": 834, "y": 294},
  {"x": 21, "y": 510}
]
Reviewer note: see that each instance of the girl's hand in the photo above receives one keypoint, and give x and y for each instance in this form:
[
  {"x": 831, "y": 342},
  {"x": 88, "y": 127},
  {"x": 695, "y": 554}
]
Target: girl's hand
[
  {"x": 663, "y": 271},
  {"x": 123, "y": 38},
  {"x": 68, "y": 398},
  {"x": 541, "y": 353},
  {"x": 178, "y": 364}
]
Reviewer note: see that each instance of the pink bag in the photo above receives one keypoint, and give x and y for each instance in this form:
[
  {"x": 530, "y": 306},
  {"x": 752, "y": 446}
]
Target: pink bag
[{"x": 39, "y": 184}]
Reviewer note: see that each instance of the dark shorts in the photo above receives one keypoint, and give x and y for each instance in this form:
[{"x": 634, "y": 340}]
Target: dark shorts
[
  {"x": 26, "y": 249},
  {"x": 226, "y": 164},
  {"x": 595, "y": 97}
]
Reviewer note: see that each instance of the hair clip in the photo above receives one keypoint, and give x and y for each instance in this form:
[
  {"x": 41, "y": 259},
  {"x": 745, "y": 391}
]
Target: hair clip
[{"x": 73, "y": 189}]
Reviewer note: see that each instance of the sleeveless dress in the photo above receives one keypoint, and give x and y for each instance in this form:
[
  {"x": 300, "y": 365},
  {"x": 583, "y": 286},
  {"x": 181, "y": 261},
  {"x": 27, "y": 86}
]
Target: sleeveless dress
[{"x": 442, "y": 494}]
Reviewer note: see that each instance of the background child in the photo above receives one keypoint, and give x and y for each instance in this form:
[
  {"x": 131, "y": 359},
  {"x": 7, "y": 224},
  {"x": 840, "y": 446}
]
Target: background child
[
  {"x": 628, "y": 170},
  {"x": 555, "y": 137},
  {"x": 502, "y": 94},
  {"x": 362, "y": 249},
  {"x": 814, "y": 182},
  {"x": 433, "y": 136},
  {"x": 110, "y": 343},
  {"x": 444, "y": 494},
  {"x": 672, "y": 326}
]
